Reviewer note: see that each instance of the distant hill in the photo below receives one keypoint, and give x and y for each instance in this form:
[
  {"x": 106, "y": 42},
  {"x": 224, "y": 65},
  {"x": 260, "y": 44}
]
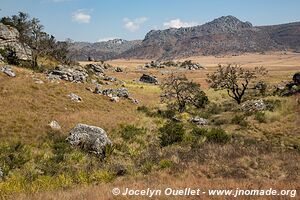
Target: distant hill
[
  {"x": 224, "y": 35},
  {"x": 100, "y": 50}
]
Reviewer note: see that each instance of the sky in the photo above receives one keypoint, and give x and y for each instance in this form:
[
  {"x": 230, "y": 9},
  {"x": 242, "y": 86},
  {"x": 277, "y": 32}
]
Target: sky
[{"x": 101, "y": 20}]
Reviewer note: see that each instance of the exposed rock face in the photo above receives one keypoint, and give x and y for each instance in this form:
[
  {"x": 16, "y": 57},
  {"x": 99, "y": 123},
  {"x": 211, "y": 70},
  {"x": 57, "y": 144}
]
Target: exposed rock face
[
  {"x": 253, "y": 106},
  {"x": 54, "y": 125},
  {"x": 199, "y": 121},
  {"x": 76, "y": 74},
  {"x": 95, "y": 68},
  {"x": 9, "y": 36},
  {"x": 225, "y": 35},
  {"x": 75, "y": 97},
  {"x": 8, "y": 71},
  {"x": 89, "y": 138},
  {"x": 148, "y": 79}
]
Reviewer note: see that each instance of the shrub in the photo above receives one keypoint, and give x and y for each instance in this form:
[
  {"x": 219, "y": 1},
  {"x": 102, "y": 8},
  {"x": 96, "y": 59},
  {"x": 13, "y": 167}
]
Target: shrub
[
  {"x": 169, "y": 113},
  {"x": 10, "y": 55},
  {"x": 217, "y": 135},
  {"x": 129, "y": 132},
  {"x": 199, "y": 131},
  {"x": 172, "y": 132},
  {"x": 260, "y": 117},
  {"x": 272, "y": 104},
  {"x": 163, "y": 164},
  {"x": 239, "y": 120}
]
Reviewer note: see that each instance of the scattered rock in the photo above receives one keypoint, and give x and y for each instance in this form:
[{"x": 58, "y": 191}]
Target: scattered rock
[
  {"x": 38, "y": 81},
  {"x": 8, "y": 71},
  {"x": 75, "y": 97},
  {"x": 110, "y": 78},
  {"x": 253, "y": 106},
  {"x": 54, "y": 125},
  {"x": 188, "y": 64},
  {"x": 135, "y": 101},
  {"x": 290, "y": 88},
  {"x": 148, "y": 79},
  {"x": 89, "y": 138},
  {"x": 76, "y": 74},
  {"x": 199, "y": 121},
  {"x": 95, "y": 68},
  {"x": 115, "y": 99},
  {"x": 122, "y": 92},
  {"x": 119, "y": 69}
]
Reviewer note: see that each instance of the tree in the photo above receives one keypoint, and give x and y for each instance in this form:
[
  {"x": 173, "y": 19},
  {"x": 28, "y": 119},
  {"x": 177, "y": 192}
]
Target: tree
[
  {"x": 179, "y": 92},
  {"x": 234, "y": 79}
]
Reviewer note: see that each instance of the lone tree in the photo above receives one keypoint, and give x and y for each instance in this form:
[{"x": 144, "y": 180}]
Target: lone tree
[
  {"x": 179, "y": 92},
  {"x": 235, "y": 79}
]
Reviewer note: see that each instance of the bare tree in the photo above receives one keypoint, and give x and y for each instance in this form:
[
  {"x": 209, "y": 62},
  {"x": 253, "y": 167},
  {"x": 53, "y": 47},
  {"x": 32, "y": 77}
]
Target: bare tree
[
  {"x": 179, "y": 92},
  {"x": 235, "y": 79}
]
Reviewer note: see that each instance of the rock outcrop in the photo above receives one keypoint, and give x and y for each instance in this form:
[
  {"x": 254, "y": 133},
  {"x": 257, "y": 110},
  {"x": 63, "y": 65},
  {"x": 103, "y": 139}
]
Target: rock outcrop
[
  {"x": 9, "y": 36},
  {"x": 253, "y": 106},
  {"x": 8, "y": 71},
  {"x": 76, "y": 74},
  {"x": 148, "y": 79},
  {"x": 199, "y": 121},
  {"x": 89, "y": 138}
]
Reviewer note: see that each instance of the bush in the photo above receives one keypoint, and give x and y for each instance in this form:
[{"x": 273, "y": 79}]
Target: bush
[
  {"x": 239, "y": 120},
  {"x": 199, "y": 131},
  {"x": 10, "y": 55},
  {"x": 172, "y": 132},
  {"x": 163, "y": 164},
  {"x": 168, "y": 114},
  {"x": 272, "y": 104},
  {"x": 260, "y": 117},
  {"x": 217, "y": 135},
  {"x": 129, "y": 132}
]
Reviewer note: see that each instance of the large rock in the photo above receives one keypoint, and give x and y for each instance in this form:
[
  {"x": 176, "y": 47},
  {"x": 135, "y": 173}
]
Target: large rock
[
  {"x": 296, "y": 78},
  {"x": 95, "y": 68},
  {"x": 199, "y": 121},
  {"x": 54, "y": 125},
  {"x": 8, "y": 71},
  {"x": 148, "y": 79},
  {"x": 253, "y": 106},
  {"x": 89, "y": 138},
  {"x": 75, "y": 97},
  {"x": 9, "y": 36},
  {"x": 76, "y": 74}
]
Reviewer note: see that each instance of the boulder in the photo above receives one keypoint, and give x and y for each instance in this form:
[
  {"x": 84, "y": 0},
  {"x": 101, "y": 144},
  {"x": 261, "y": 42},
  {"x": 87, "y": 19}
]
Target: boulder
[
  {"x": 95, "y": 68},
  {"x": 148, "y": 79},
  {"x": 253, "y": 106},
  {"x": 119, "y": 69},
  {"x": 9, "y": 36},
  {"x": 296, "y": 78},
  {"x": 89, "y": 138},
  {"x": 54, "y": 125},
  {"x": 76, "y": 74},
  {"x": 199, "y": 121},
  {"x": 75, "y": 97},
  {"x": 8, "y": 71},
  {"x": 122, "y": 92},
  {"x": 115, "y": 99}
]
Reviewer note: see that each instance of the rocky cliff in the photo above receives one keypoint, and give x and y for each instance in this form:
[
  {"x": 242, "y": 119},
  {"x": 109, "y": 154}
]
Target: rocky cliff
[
  {"x": 225, "y": 35},
  {"x": 9, "y": 36}
]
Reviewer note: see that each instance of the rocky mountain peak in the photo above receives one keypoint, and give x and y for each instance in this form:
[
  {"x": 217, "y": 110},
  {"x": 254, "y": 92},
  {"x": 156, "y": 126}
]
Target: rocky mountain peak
[{"x": 229, "y": 23}]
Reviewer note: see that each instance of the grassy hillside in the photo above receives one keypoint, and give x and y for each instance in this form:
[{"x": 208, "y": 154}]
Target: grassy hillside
[{"x": 262, "y": 150}]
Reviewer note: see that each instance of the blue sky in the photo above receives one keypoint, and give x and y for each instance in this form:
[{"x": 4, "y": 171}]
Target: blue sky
[{"x": 97, "y": 20}]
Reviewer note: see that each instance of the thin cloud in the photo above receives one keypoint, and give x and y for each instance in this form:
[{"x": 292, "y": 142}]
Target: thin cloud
[
  {"x": 135, "y": 24},
  {"x": 81, "y": 17},
  {"x": 177, "y": 23}
]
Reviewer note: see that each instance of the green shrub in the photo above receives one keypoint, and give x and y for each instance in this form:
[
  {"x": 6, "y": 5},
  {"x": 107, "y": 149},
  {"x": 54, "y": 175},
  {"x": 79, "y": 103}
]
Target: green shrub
[
  {"x": 272, "y": 104},
  {"x": 129, "y": 132},
  {"x": 260, "y": 117},
  {"x": 163, "y": 164},
  {"x": 168, "y": 114},
  {"x": 172, "y": 132},
  {"x": 10, "y": 55},
  {"x": 199, "y": 131},
  {"x": 217, "y": 135},
  {"x": 239, "y": 119}
]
